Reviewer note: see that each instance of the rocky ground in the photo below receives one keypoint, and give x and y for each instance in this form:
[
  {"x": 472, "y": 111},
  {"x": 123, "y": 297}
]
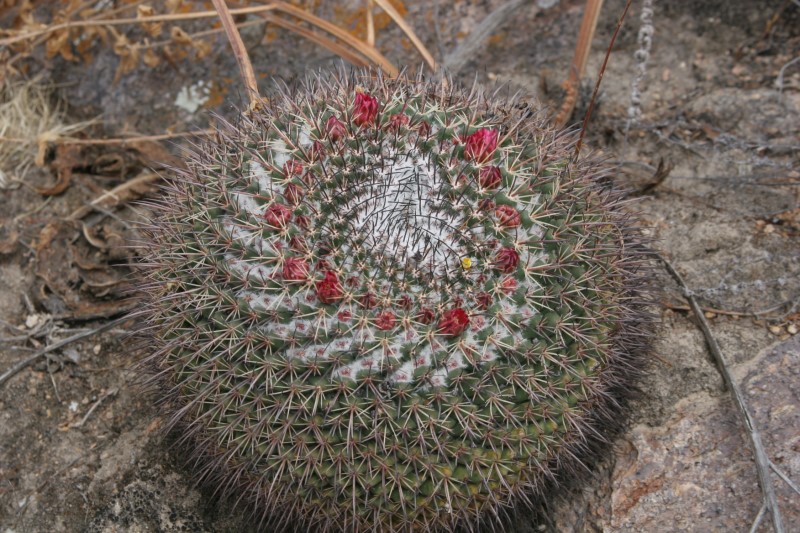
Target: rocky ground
[{"x": 712, "y": 160}]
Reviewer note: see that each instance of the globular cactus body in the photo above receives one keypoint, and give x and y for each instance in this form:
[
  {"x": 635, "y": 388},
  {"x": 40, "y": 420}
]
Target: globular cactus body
[{"x": 391, "y": 306}]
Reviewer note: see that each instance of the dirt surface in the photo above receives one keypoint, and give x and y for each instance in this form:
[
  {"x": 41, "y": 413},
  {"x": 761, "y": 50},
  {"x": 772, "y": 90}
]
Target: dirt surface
[{"x": 712, "y": 160}]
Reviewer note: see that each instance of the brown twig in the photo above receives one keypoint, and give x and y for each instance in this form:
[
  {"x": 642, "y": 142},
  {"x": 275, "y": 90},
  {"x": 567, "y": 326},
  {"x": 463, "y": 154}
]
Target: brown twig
[
  {"x": 240, "y": 52},
  {"x": 600, "y": 79},
  {"x": 370, "y": 23},
  {"x": 591, "y": 14},
  {"x": 321, "y": 40},
  {"x": 762, "y": 460},
  {"x": 55, "y": 346},
  {"x": 370, "y": 52}
]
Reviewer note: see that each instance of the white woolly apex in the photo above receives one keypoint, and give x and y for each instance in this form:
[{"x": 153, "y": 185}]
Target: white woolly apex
[{"x": 401, "y": 215}]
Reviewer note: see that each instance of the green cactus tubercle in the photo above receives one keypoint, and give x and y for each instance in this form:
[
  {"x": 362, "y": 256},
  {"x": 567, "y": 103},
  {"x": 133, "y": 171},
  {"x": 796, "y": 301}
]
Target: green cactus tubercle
[{"x": 390, "y": 305}]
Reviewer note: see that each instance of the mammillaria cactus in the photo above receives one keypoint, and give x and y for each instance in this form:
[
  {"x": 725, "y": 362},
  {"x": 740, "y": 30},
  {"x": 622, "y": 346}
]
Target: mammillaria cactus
[{"x": 392, "y": 305}]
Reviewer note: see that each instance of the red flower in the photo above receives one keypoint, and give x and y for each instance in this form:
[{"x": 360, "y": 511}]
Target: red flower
[
  {"x": 368, "y": 300},
  {"x": 508, "y": 285},
  {"x": 277, "y": 215},
  {"x": 295, "y": 269},
  {"x": 507, "y": 216},
  {"x": 425, "y": 316},
  {"x": 506, "y": 260},
  {"x": 385, "y": 320},
  {"x": 480, "y": 146},
  {"x": 329, "y": 289},
  {"x": 293, "y": 194},
  {"x": 490, "y": 177},
  {"x": 484, "y": 300},
  {"x": 344, "y": 316},
  {"x": 453, "y": 322},
  {"x": 397, "y": 121},
  {"x": 365, "y": 109},
  {"x": 292, "y": 167},
  {"x": 335, "y": 129}
]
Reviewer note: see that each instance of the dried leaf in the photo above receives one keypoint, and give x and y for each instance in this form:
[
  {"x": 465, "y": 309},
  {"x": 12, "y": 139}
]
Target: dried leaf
[
  {"x": 63, "y": 179},
  {"x": 180, "y": 37},
  {"x": 128, "y": 54},
  {"x": 202, "y": 49},
  {"x": 151, "y": 58},
  {"x": 153, "y": 29},
  {"x": 60, "y": 42}
]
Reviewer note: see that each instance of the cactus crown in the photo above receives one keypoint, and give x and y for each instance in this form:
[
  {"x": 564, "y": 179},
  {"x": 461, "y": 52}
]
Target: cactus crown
[{"x": 390, "y": 305}]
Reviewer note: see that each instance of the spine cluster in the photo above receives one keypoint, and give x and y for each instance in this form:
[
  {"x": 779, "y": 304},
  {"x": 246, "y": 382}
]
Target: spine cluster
[{"x": 391, "y": 306}]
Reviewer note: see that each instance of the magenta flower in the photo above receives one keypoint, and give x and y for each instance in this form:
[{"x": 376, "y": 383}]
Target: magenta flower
[
  {"x": 365, "y": 109},
  {"x": 453, "y": 322},
  {"x": 329, "y": 289},
  {"x": 277, "y": 215},
  {"x": 490, "y": 177},
  {"x": 506, "y": 260},
  {"x": 480, "y": 146},
  {"x": 295, "y": 269}
]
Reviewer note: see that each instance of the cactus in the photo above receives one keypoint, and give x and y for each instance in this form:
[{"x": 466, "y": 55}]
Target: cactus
[{"x": 392, "y": 305}]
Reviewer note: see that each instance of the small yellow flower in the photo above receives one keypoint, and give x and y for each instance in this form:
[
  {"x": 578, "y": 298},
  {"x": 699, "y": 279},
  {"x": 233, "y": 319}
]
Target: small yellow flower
[{"x": 466, "y": 263}]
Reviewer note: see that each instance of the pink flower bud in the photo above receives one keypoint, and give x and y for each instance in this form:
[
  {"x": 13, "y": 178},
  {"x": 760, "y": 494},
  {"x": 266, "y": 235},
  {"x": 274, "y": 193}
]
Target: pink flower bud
[
  {"x": 506, "y": 260},
  {"x": 507, "y": 216},
  {"x": 385, "y": 320},
  {"x": 397, "y": 121},
  {"x": 368, "y": 300},
  {"x": 292, "y": 167},
  {"x": 329, "y": 289},
  {"x": 484, "y": 300},
  {"x": 335, "y": 129},
  {"x": 490, "y": 177},
  {"x": 508, "y": 285},
  {"x": 480, "y": 146},
  {"x": 277, "y": 215},
  {"x": 295, "y": 269},
  {"x": 293, "y": 194},
  {"x": 365, "y": 109},
  {"x": 453, "y": 322},
  {"x": 425, "y": 316}
]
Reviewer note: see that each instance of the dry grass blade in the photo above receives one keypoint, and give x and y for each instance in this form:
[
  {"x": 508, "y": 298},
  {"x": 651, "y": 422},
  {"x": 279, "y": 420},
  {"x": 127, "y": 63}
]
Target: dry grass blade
[
  {"x": 762, "y": 460},
  {"x": 591, "y": 14},
  {"x": 239, "y": 52},
  {"x": 400, "y": 21},
  {"x": 125, "y": 21},
  {"x": 370, "y": 23},
  {"x": 370, "y": 52},
  {"x": 333, "y": 46}
]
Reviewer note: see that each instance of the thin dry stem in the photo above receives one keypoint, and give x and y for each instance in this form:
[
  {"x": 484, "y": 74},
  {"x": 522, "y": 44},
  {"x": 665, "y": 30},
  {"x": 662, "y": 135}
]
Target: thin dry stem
[
  {"x": 401, "y": 22},
  {"x": 323, "y": 41},
  {"x": 370, "y": 23},
  {"x": 361, "y": 47},
  {"x": 762, "y": 460},
  {"x": 239, "y": 52},
  {"x": 125, "y": 21},
  {"x": 591, "y": 14}
]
